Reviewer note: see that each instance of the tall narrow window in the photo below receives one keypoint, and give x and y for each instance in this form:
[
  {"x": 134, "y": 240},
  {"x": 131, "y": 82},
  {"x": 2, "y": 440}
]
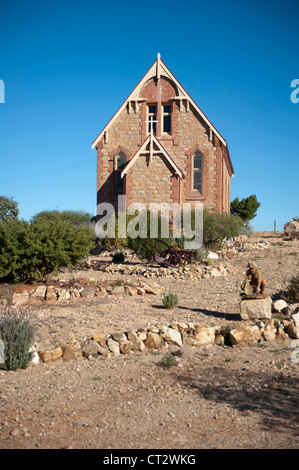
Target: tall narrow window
[
  {"x": 120, "y": 162},
  {"x": 152, "y": 118},
  {"x": 197, "y": 171},
  {"x": 166, "y": 115}
]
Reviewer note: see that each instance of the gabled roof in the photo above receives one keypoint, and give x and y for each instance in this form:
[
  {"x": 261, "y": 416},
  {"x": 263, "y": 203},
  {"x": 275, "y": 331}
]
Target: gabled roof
[
  {"x": 161, "y": 149},
  {"x": 159, "y": 69}
]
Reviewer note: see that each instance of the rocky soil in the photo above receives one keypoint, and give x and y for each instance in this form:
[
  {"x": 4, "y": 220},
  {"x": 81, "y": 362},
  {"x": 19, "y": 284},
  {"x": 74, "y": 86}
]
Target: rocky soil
[{"x": 212, "y": 397}]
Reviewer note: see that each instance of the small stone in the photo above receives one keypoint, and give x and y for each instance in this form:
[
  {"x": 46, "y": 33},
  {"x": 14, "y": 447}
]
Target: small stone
[
  {"x": 51, "y": 294},
  {"x": 172, "y": 336},
  {"x": 279, "y": 305},
  {"x": 219, "y": 339},
  {"x": 51, "y": 355},
  {"x": 269, "y": 335},
  {"x": 118, "y": 336},
  {"x": 113, "y": 346},
  {"x": 205, "y": 335},
  {"x": 154, "y": 341},
  {"x": 88, "y": 291},
  {"x": 242, "y": 336},
  {"x": 89, "y": 347},
  {"x": 140, "y": 291},
  {"x": 20, "y": 298},
  {"x": 40, "y": 292},
  {"x": 136, "y": 343},
  {"x": 295, "y": 317},
  {"x": 142, "y": 336},
  {"x": 281, "y": 335},
  {"x": 118, "y": 290},
  {"x": 35, "y": 358},
  {"x": 71, "y": 353},
  {"x": 101, "y": 292},
  {"x": 100, "y": 338},
  {"x": 103, "y": 351},
  {"x": 292, "y": 331},
  {"x": 124, "y": 346},
  {"x": 130, "y": 291},
  {"x": 44, "y": 346}
]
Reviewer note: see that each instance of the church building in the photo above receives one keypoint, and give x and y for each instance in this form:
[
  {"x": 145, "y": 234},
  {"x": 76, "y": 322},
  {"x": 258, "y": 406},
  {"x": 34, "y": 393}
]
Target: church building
[{"x": 159, "y": 147}]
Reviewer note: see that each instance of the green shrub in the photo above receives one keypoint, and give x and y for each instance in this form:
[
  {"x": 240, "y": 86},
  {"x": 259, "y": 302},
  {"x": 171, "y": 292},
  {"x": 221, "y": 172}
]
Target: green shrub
[
  {"x": 291, "y": 295},
  {"x": 74, "y": 217},
  {"x": 30, "y": 251},
  {"x": 17, "y": 334},
  {"x": 246, "y": 208},
  {"x": 170, "y": 300},
  {"x": 168, "y": 361},
  {"x": 216, "y": 226},
  {"x": 118, "y": 257},
  {"x": 8, "y": 208}
]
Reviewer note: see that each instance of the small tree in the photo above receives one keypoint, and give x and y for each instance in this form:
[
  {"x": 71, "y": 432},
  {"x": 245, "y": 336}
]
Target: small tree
[
  {"x": 30, "y": 251},
  {"x": 246, "y": 208},
  {"x": 75, "y": 217},
  {"x": 8, "y": 208}
]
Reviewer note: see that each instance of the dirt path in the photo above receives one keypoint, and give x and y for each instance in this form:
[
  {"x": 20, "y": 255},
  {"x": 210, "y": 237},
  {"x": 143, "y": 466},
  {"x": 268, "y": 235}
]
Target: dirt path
[{"x": 215, "y": 397}]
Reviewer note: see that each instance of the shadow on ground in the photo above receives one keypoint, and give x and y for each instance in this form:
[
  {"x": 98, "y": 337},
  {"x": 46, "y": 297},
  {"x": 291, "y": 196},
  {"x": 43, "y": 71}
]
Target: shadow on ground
[
  {"x": 208, "y": 313},
  {"x": 273, "y": 397}
]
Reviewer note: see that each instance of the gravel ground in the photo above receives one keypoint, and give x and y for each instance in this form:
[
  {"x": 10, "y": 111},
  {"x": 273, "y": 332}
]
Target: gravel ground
[{"x": 213, "y": 398}]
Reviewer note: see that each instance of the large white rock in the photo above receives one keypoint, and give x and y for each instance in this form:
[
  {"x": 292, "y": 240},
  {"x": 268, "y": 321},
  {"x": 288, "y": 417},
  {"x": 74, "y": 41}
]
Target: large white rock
[
  {"x": 40, "y": 292},
  {"x": 172, "y": 336},
  {"x": 295, "y": 317},
  {"x": 291, "y": 229},
  {"x": 113, "y": 346},
  {"x": 256, "y": 309},
  {"x": 279, "y": 305}
]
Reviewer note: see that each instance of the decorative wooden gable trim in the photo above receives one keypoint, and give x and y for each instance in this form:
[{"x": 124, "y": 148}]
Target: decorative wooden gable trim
[
  {"x": 151, "y": 140},
  {"x": 157, "y": 70}
]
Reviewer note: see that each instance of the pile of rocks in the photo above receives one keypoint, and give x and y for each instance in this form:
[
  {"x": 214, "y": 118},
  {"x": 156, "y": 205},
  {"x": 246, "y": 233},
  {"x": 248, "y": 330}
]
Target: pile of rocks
[
  {"x": 251, "y": 246},
  {"x": 291, "y": 230},
  {"x": 30, "y": 294},
  {"x": 177, "y": 333},
  {"x": 192, "y": 271}
]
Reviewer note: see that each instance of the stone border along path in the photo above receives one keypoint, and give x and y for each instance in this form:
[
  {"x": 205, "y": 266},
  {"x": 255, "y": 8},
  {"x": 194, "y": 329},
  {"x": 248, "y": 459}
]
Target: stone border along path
[
  {"x": 26, "y": 294},
  {"x": 178, "y": 334}
]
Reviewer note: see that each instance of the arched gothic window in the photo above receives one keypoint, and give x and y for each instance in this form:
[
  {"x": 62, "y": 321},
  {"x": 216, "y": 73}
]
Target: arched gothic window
[{"x": 120, "y": 162}]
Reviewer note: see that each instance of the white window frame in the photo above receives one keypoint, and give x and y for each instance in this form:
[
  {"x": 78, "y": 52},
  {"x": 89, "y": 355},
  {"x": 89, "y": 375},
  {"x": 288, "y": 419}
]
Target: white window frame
[{"x": 197, "y": 154}]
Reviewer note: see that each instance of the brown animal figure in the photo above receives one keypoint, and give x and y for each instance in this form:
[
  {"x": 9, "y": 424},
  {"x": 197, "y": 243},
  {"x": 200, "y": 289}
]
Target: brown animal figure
[{"x": 253, "y": 284}]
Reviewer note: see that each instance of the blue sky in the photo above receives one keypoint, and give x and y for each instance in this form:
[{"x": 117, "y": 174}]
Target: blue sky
[{"x": 68, "y": 66}]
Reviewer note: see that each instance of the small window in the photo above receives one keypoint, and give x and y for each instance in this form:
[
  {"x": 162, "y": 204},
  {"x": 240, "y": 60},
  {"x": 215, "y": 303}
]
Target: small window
[
  {"x": 166, "y": 113},
  {"x": 197, "y": 171},
  {"x": 120, "y": 163},
  {"x": 152, "y": 118}
]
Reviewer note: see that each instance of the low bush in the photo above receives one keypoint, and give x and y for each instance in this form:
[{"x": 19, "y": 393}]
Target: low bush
[
  {"x": 31, "y": 251},
  {"x": 118, "y": 257},
  {"x": 216, "y": 226},
  {"x": 170, "y": 300},
  {"x": 17, "y": 333},
  {"x": 291, "y": 295},
  {"x": 168, "y": 361}
]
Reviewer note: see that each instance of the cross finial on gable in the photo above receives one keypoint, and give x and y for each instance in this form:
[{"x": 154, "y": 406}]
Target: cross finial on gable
[{"x": 158, "y": 65}]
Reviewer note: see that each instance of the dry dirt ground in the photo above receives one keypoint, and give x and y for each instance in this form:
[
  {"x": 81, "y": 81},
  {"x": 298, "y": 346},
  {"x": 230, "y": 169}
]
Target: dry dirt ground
[{"x": 214, "y": 398}]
